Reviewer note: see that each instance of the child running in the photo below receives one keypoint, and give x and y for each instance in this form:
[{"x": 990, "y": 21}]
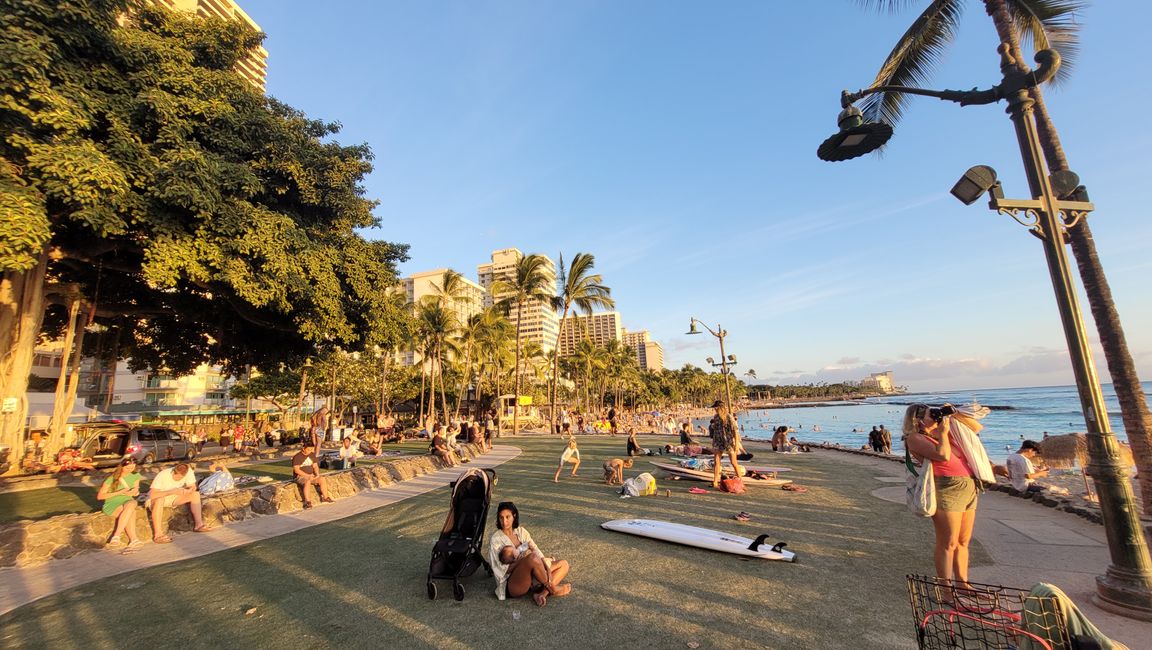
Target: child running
[{"x": 571, "y": 455}]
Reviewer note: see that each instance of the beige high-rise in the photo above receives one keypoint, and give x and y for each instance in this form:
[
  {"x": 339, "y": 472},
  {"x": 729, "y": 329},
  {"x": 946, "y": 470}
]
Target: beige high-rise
[
  {"x": 600, "y": 328},
  {"x": 420, "y": 286},
  {"x": 540, "y": 321}
]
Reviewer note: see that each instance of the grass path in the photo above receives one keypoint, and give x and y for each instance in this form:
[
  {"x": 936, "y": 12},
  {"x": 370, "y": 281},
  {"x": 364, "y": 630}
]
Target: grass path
[{"x": 360, "y": 582}]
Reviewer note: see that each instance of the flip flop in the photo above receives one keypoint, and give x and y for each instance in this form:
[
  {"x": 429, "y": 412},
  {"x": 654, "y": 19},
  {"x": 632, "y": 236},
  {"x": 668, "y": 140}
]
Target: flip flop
[
  {"x": 793, "y": 488},
  {"x": 696, "y": 490},
  {"x": 743, "y": 516},
  {"x": 203, "y": 529},
  {"x": 163, "y": 539}
]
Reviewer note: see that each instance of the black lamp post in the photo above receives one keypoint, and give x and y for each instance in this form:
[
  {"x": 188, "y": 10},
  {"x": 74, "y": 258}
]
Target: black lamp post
[
  {"x": 1126, "y": 587},
  {"x": 725, "y": 361}
]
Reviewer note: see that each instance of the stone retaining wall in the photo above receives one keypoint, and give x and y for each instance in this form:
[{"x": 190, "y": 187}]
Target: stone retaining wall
[{"x": 29, "y": 543}]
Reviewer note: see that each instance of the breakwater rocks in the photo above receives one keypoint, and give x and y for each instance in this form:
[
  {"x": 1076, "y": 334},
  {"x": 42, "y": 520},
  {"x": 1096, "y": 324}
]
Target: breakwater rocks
[
  {"x": 29, "y": 543},
  {"x": 1072, "y": 505}
]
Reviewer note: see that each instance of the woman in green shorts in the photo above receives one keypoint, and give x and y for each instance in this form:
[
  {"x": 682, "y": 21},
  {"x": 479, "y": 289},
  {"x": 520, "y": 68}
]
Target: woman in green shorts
[
  {"x": 928, "y": 438},
  {"x": 119, "y": 492}
]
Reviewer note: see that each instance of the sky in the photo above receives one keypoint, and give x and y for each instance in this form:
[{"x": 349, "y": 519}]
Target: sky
[{"x": 676, "y": 141}]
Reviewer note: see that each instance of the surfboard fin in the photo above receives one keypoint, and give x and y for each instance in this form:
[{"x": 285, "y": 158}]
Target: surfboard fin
[
  {"x": 759, "y": 541},
  {"x": 777, "y": 546}
]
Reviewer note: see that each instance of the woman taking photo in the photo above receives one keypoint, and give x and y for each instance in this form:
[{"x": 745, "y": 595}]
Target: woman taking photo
[
  {"x": 119, "y": 492},
  {"x": 523, "y": 568},
  {"x": 929, "y": 435}
]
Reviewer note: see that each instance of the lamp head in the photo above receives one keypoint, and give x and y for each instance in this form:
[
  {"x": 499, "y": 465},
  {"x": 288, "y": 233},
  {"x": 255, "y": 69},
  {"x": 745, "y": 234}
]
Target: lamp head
[
  {"x": 856, "y": 137},
  {"x": 731, "y": 358},
  {"x": 307, "y": 362},
  {"x": 974, "y": 183},
  {"x": 710, "y": 361},
  {"x": 692, "y": 328}
]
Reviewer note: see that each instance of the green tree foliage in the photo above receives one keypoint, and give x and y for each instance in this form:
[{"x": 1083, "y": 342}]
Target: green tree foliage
[{"x": 204, "y": 221}]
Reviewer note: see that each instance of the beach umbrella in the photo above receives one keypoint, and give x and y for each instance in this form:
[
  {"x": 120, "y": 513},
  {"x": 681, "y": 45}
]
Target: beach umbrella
[{"x": 1069, "y": 450}]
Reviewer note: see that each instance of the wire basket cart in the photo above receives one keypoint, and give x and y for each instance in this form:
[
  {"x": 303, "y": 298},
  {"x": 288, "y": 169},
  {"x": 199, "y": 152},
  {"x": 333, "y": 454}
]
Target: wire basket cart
[{"x": 953, "y": 617}]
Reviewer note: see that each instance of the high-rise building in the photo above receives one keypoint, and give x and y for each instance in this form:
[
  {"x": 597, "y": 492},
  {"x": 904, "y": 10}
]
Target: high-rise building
[
  {"x": 253, "y": 67},
  {"x": 648, "y": 352},
  {"x": 600, "y": 328},
  {"x": 421, "y": 286},
  {"x": 540, "y": 323}
]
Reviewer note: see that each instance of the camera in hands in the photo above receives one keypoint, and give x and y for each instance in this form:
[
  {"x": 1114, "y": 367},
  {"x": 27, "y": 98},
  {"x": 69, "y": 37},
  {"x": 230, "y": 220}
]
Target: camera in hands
[{"x": 938, "y": 414}]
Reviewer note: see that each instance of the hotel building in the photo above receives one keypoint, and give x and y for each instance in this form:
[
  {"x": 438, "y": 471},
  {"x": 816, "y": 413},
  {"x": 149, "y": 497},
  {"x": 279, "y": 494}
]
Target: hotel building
[
  {"x": 600, "y": 328},
  {"x": 541, "y": 323},
  {"x": 648, "y": 352},
  {"x": 426, "y": 285}
]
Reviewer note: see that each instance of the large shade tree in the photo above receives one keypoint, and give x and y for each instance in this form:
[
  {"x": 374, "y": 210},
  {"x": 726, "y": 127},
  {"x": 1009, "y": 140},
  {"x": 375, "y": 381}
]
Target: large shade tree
[
  {"x": 200, "y": 220},
  {"x": 1044, "y": 24}
]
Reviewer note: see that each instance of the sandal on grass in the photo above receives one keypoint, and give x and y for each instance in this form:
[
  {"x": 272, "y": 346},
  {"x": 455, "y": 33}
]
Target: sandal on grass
[
  {"x": 793, "y": 488},
  {"x": 696, "y": 490},
  {"x": 743, "y": 516}
]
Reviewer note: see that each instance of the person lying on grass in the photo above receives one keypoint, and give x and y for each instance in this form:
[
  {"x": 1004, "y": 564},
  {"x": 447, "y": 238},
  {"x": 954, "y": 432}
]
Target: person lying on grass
[
  {"x": 614, "y": 470},
  {"x": 518, "y": 564}
]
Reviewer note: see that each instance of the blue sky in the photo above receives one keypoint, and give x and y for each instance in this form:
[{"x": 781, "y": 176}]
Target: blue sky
[{"x": 676, "y": 141}]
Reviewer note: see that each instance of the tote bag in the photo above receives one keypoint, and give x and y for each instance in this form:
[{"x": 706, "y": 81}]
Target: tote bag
[{"x": 920, "y": 487}]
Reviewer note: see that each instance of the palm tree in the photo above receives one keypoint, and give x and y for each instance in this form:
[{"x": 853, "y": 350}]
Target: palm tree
[
  {"x": 531, "y": 281},
  {"x": 582, "y": 290},
  {"x": 436, "y": 326},
  {"x": 1045, "y": 24}
]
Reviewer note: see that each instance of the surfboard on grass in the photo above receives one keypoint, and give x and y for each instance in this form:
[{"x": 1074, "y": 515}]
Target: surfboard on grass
[
  {"x": 712, "y": 540},
  {"x": 726, "y": 463},
  {"x": 697, "y": 475}
]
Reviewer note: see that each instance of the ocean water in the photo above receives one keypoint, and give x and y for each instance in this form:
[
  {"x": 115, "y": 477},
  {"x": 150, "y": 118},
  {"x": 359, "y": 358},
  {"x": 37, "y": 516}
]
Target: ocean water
[{"x": 1018, "y": 414}]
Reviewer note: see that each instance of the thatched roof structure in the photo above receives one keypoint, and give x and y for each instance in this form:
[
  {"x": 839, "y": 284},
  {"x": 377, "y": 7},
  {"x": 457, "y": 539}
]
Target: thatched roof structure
[{"x": 1069, "y": 450}]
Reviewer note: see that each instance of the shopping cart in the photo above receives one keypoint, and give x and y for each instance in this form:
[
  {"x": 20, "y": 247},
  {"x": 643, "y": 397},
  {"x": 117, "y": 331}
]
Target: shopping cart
[{"x": 985, "y": 616}]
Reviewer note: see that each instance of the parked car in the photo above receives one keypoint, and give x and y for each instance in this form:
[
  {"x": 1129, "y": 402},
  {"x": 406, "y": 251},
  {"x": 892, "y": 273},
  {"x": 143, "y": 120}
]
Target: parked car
[{"x": 108, "y": 442}]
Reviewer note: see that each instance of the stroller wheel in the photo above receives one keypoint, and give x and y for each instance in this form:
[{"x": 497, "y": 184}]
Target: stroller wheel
[
  {"x": 458, "y": 591},
  {"x": 431, "y": 590}
]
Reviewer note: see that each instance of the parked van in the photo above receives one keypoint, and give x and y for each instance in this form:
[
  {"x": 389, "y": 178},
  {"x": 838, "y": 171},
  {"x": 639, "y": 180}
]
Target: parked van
[{"x": 108, "y": 442}]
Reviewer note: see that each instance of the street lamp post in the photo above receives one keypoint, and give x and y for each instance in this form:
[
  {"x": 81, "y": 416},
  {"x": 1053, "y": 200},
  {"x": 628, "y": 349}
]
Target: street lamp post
[
  {"x": 719, "y": 333},
  {"x": 1126, "y": 587},
  {"x": 303, "y": 381}
]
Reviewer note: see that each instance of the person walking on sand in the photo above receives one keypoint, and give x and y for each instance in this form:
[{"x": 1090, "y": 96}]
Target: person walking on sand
[
  {"x": 571, "y": 455},
  {"x": 725, "y": 440}
]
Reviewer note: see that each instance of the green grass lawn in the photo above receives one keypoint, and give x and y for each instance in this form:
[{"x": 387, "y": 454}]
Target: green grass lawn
[
  {"x": 360, "y": 582},
  {"x": 47, "y": 502}
]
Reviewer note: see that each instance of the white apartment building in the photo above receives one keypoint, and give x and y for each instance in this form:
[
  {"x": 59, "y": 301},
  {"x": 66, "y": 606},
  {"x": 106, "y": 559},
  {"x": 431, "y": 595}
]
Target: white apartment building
[
  {"x": 419, "y": 286},
  {"x": 541, "y": 323},
  {"x": 600, "y": 328},
  {"x": 254, "y": 67}
]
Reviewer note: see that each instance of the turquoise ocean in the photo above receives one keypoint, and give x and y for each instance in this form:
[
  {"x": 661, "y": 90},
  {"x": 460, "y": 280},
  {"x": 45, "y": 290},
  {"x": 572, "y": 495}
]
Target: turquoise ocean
[{"x": 1017, "y": 414}]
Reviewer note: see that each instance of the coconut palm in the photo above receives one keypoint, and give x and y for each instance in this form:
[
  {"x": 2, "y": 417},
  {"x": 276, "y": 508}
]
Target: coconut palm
[
  {"x": 579, "y": 290},
  {"x": 532, "y": 280},
  {"x": 435, "y": 326},
  {"x": 1044, "y": 24}
]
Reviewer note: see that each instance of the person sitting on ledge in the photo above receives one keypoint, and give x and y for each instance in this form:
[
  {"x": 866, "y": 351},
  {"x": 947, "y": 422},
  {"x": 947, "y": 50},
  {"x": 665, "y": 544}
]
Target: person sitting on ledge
[
  {"x": 173, "y": 487},
  {"x": 348, "y": 454},
  {"x": 1022, "y": 471},
  {"x": 439, "y": 448},
  {"x": 119, "y": 492},
  {"x": 307, "y": 473}
]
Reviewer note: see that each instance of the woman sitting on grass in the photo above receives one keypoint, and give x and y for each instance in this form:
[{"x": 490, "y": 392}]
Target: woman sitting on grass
[
  {"x": 518, "y": 564},
  {"x": 119, "y": 492}
]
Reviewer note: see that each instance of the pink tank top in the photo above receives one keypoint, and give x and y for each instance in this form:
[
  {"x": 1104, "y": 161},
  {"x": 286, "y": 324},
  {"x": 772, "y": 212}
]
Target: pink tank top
[{"x": 957, "y": 465}]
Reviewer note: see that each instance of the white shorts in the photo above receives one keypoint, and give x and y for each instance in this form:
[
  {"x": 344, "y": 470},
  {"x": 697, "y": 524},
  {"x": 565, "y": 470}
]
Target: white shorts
[{"x": 568, "y": 454}]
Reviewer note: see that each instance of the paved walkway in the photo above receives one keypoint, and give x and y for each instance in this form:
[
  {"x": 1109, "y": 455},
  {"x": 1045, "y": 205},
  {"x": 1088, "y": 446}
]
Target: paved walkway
[
  {"x": 23, "y": 585},
  {"x": 1028, "y": 543}
]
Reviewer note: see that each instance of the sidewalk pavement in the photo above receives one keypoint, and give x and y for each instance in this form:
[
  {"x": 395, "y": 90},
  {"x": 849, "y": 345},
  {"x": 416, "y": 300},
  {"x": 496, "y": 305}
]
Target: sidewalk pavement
[
  {"x": 1029, "y": 543},
  {"x": 23, "y": 585}
]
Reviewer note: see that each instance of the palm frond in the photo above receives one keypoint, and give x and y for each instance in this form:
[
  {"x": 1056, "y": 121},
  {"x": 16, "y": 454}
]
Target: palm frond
[
  {"x": 1054, "y": 24},
  {"x": 886, "y": 6},
  {"x": 913, "y": 59}
]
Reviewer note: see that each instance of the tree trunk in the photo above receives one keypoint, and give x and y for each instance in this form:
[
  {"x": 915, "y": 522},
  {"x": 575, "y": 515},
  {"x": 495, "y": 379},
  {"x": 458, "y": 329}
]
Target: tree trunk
[
  {"x": 516, "y": 371},
  {"x": 1121, "y": 367},
  {"x": 69, "y": 380},
  {"x": 556, "y": 368},
  {"x": 21, "y": 313}
]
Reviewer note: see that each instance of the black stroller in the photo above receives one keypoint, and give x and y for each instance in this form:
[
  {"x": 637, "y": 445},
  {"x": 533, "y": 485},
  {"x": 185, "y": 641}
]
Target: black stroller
[{"x": 460, "y": 549}]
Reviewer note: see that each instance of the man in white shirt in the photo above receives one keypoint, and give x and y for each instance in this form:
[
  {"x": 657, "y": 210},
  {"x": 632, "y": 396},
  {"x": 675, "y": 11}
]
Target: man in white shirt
[
  {"x": 173, "y": 487},
  {"x": 349, "y": 452},
  {"x": 1021, "y": 470}
]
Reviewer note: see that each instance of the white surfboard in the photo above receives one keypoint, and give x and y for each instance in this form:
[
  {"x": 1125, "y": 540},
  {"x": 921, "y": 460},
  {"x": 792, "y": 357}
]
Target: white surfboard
[
  {"x": 697, "y": 475},
  {"x": 727, "y": 463},
  {"x": 713, "y": 540}
]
